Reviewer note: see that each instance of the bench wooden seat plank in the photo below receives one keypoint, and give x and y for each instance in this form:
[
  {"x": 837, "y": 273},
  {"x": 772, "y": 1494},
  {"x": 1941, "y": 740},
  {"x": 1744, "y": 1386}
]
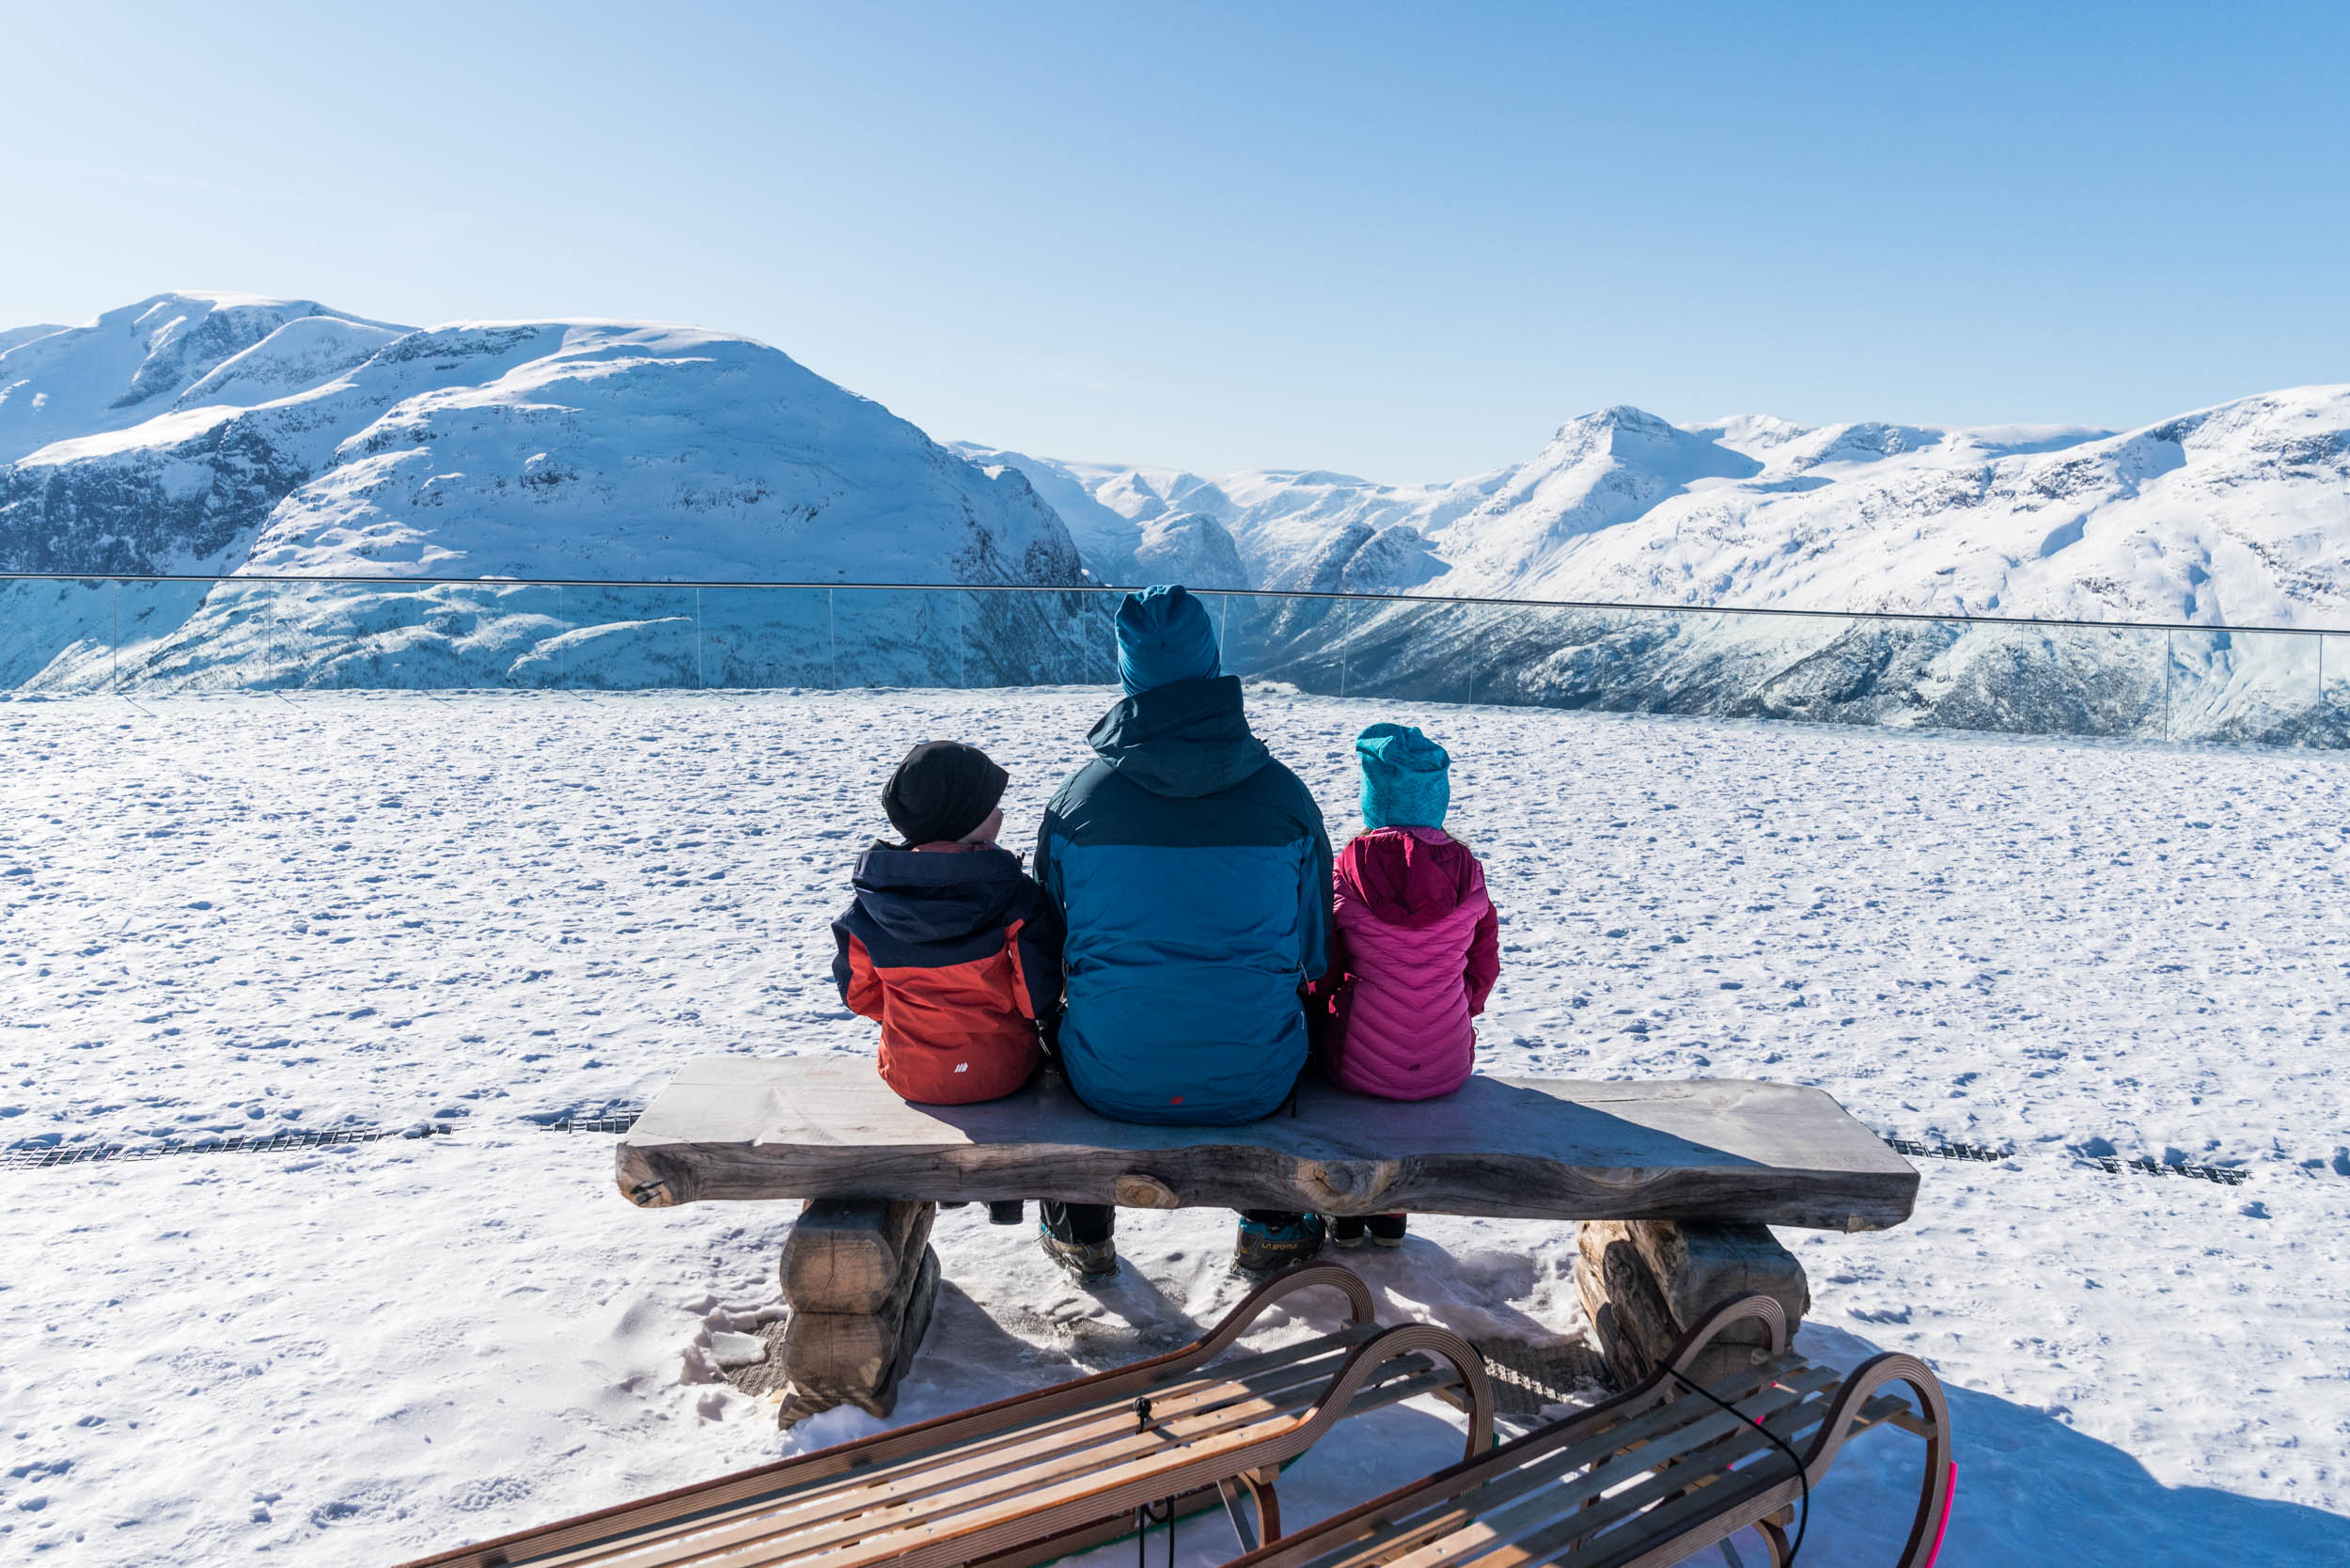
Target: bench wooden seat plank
[{"x": 803, "y": 1127}]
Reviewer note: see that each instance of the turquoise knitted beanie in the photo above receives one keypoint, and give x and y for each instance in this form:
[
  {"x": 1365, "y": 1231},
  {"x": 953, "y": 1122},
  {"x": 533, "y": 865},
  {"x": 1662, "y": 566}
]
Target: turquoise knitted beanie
[{"x": 1406, "y": 778}]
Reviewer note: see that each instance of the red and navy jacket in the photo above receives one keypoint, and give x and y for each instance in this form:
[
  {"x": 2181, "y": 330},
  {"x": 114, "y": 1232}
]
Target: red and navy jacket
[{"x": 957, "y": 954}]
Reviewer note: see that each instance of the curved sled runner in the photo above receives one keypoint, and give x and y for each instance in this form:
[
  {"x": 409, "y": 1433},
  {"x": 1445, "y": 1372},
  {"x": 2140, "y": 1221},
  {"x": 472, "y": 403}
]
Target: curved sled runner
[
  {"x": 1040, "y": 1475},
  {"x": 1649, "y": 1478}
]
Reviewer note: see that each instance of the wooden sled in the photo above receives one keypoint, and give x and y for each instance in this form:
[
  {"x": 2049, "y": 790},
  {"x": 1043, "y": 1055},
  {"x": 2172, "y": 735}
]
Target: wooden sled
[
  {"x": 1034, "y": 1477},
  {"x": 1653, "y": 1476}
]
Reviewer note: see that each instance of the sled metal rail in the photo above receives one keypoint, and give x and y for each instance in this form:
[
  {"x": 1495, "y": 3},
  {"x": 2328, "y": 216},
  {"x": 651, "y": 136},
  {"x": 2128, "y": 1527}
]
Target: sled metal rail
[
  {"x": 1659, "y": 1473},
  {"x": 1594, "y": 605}
]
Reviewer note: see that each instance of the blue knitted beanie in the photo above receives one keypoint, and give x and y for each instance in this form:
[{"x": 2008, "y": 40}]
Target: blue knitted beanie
[
  {"x": 1164, "y": 636},
  {"x": 1406, "y": 778}
]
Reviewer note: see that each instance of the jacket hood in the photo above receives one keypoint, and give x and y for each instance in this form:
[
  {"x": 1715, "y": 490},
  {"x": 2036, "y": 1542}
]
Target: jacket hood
[
  {"x": 1186, "y": 739},
  {"x": 1408, "y": 876},
  {"x": 937, "y": 897}
]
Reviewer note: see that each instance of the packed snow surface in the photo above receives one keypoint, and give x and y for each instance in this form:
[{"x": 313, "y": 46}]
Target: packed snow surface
[{"x": 250, "y": 912}]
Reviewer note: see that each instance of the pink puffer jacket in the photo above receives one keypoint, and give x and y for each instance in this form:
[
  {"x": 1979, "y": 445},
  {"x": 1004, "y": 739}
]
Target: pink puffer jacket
[{"x": 1415, "y": 952}]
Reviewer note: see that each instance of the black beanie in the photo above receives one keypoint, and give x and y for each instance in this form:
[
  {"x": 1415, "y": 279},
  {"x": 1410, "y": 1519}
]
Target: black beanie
[{"x": 942, "y": 791}]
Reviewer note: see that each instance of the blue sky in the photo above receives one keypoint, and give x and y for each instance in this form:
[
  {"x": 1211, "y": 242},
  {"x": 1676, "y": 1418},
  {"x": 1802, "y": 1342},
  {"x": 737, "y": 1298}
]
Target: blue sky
[{"x": 1404, "y": 242}]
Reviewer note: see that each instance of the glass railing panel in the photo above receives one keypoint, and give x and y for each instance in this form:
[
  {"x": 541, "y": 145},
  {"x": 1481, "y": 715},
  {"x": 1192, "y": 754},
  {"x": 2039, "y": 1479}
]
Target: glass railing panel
[
  {"x": 166, "y": 632},
  {"x": 636, "y": 637},
  {"x": 897, "y": 637},
  {"x": 1235, "y": 614},
  {"x": 2333, "y": 684},
  {"x": 2244, "y": 686},
  {"x": 57, "y": 638},
  {"x": 1642, "y": 661},
  {"x": 763, "y": 637},
  {"x": 1034, "y": 639},
  {"x": 404, "y": 636},
  {"x": 1262, "y": 634},
  {"x": 1407, "y": 653},
  {"x": 1292, "y": 640},
  {"x": 1476, "y": 636},
  {"x": 153, "y": 637},
  {"x": 2030, "y": 680}
]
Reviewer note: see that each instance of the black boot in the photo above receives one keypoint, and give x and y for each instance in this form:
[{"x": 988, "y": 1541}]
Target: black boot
[{"x": 1077, "y": 1237}]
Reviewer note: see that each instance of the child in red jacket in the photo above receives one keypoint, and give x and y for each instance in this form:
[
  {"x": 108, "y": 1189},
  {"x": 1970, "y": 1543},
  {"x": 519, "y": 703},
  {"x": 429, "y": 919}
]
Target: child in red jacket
[{"x": 949, "y": 944}]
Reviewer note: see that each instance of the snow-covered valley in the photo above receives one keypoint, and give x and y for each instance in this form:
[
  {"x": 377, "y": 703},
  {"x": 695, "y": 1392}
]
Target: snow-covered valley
[{"x": 254, "y": 912}]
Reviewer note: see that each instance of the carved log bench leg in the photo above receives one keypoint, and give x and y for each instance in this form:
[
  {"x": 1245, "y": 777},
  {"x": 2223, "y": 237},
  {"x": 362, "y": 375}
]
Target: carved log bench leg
[
  {"x": 1645, "y": 1282},
  {"x": 861, "y": 1279}
]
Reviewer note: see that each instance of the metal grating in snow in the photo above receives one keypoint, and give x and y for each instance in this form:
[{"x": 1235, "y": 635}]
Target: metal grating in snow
[
  {"x": 278, "y": 1142},
  {"x": 1951, "y": 1151},
  {"x": 2227, "y": 1176},
  {"x": 1530, "y": 1377},
  {"x": 2224, "y": 1175},
  {"x": 617, "y": 1121}
]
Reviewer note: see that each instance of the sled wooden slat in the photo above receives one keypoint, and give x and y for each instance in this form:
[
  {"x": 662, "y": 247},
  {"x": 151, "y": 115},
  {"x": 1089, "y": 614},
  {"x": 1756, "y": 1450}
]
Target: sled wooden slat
[
  {"x": 1311, "y": 1362},
  {"x": 1540, "y": 1488},
  {"x": 1708, "y": 1150},
  {"x": 872, "y": 1519},
  {"x": 1652, "y": 1477},
  {"x": 1027, "y": 1477}
]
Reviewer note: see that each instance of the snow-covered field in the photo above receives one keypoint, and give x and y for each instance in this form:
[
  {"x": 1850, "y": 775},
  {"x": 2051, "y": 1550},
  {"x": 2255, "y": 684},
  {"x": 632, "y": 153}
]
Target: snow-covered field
[{"x": 248, "y": 913}]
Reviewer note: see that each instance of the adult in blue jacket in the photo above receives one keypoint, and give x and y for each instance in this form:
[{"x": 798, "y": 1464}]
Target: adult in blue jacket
[{"x": 1193, "y": 872}]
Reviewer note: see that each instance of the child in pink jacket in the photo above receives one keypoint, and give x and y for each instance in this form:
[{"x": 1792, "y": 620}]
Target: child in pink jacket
[{"x": 1415, "y": 947}]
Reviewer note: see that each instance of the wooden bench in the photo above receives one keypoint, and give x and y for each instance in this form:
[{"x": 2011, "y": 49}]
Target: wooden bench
[
  {"x": 1657, "y": 1474},
  {"x": 1035, "y": 1476},
  {"x": 1682, "y": 1177}
]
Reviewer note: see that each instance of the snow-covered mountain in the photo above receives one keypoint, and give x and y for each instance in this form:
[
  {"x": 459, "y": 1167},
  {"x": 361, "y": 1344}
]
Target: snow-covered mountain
[
  {"x": 1133, "y": 526},
  {"x": 2232, "y": 516},
  {"x": 1284, "y": 524},
  {"x": 213, "y": 433},
  {"x": 2238, "y": 514},
  {"x": 221, "y": 433}
]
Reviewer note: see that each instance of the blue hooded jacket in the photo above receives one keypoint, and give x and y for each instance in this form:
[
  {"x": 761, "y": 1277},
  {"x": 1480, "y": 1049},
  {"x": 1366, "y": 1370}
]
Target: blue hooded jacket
[{"x": 1193, "y": 874}]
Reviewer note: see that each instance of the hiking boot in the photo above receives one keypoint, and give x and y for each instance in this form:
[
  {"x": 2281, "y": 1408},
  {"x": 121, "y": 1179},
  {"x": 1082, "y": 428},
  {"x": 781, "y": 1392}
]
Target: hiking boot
[
  {"x": 1346, "y": 1231},
  {"x": 1269, "y": 1244},
  {"x": 1386, "y": 1230},
  {"x": 1087, "y": 1262}
]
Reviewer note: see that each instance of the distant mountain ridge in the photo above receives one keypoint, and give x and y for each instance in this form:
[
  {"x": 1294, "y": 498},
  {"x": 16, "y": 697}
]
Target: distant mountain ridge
[{"x": 2236, "y": 514}]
